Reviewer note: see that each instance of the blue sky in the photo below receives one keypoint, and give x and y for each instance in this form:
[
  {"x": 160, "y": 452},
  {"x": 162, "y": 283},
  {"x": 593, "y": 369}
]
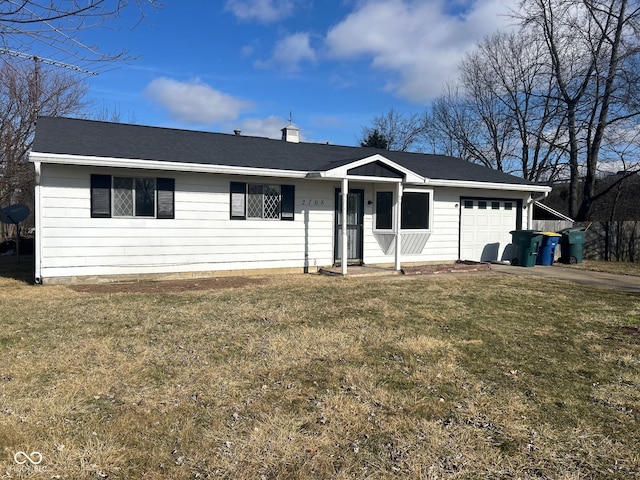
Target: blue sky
[{"x": 246, "y": 64}]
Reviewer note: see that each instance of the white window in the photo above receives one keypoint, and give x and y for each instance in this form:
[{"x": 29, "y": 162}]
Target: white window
[
  {"x": 264, "y": 201},
  {"x": 132, "y": 197},
  {"x": 416, "y": 210}
]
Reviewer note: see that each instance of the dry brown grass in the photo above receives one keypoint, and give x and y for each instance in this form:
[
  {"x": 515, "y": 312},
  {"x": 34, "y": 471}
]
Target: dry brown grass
[
  {"x": 472, "y": 376},
  {"x": 623, "y": 268}
]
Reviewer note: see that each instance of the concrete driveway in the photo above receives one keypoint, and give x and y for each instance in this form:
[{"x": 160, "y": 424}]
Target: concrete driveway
[{"x": 626, "y": 283}]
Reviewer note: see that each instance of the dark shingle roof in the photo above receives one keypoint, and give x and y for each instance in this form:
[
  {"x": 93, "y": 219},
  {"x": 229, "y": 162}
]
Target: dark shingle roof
[{"x": 102, "y": 139}]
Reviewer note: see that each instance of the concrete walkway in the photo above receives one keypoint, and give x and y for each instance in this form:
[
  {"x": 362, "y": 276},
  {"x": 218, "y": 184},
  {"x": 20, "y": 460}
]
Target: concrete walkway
[{"x": 626, "y": 283}]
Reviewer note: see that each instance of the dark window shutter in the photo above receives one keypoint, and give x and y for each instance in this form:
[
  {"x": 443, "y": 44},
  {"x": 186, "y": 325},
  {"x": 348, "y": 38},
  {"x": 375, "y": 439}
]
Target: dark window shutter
[
  {"x": 287, "y": 201},
  {"x": 100, "y": 196},
  {"x": 165, "y": 193},
  {"x": 238, "y": 201}
]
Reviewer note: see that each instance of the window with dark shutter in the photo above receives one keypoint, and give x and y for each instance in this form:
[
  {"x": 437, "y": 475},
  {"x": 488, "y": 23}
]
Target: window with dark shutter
[
  {"x": 165, "y": 192},
  {"x": 287, "y": 202},
  {"x": 132, "y": 197},
  {"x": 238, "y": 204},
  {"x": 100, "y": 196}
]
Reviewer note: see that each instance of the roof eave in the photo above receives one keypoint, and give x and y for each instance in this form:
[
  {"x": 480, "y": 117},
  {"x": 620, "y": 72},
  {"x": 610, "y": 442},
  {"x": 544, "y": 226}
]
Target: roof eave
[
  {"x": 90, "y": 161},
  {"x": 333, "y": 174},
  {"x": 519, "y": 187}
]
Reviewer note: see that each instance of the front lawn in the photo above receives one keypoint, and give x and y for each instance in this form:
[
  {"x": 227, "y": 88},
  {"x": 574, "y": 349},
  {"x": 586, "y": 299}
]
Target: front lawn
[
  {"x": 471, "y": 376},
  {"x": 622, "y": 268}
]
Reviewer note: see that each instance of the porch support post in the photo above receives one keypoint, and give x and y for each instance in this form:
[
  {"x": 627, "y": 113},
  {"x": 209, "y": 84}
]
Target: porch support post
[
  {"x": 345, "y": 239},
  {"x": 398, "y": 208}
]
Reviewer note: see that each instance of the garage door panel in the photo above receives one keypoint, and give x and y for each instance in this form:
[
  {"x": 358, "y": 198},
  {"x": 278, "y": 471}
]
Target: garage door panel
[
  {"x": 468, "y": 221},
  {"x": 484, "y": 232}
]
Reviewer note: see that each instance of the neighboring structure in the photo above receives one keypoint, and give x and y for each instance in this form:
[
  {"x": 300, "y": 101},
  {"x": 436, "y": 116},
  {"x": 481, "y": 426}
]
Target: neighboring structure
[
  {"x": 128, "y": 200},
  {"x": 546, "y": 219},
  {"x": 613, "y": 224},
  {"x": 615, "y": 198}
]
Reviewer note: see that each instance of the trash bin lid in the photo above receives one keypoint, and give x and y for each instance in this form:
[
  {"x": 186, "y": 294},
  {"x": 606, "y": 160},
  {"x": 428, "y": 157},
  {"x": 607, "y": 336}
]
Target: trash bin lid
[
  {"x": 551, "y": 234},
  {"x": 530, "y": 232}
]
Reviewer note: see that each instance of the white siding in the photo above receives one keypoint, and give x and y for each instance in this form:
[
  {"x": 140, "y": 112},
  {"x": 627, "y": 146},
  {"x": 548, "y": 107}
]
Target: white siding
[
  {"x": 200, "y": 238},
  {"x": 203, "y": 238},
  {"x": 443, "y": 240}
]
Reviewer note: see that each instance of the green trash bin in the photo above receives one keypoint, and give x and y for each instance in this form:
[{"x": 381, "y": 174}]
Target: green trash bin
[
  {"x": 572, "y": 244},
  {"x": 526, "y": 243}
]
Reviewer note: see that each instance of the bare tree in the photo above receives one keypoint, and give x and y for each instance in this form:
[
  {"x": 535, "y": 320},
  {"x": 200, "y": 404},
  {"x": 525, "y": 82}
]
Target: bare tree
[
  {"x": 45, "y": 74},
  {"x": 28, "y": 89},
  {"x": 502, "y": 113},
  {"x": 111, "y": 113},
  {"x": 402, "y": 132},
  {"x": 590, "y": 45},
  {"x": 52, "y": 29},
  {"x": 478, "y": 123},
  {"x": 520, "y": 80}
]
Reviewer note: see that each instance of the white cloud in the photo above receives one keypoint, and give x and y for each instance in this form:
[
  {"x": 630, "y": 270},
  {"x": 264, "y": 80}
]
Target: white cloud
[
  {"x": 419, "y": 43},
  {"x": 289, "y": 52},
  {"x": 194, "y": 101},
  {"x": 263, "y": 11}
]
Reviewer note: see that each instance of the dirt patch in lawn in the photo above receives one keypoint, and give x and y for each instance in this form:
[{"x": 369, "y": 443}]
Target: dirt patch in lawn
[{"x": 169, "y": 286}]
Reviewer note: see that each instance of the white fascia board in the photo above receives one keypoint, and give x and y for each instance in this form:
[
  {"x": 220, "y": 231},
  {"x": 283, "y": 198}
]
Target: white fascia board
[
  {"x": 341, "y": 172},
  {"x": 352, "y": 178},
  {"x": 90, "y": 161},
  {"x": 487, "y": 185}
]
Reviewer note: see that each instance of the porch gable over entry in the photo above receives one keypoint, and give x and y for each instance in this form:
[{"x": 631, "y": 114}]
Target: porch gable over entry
[{"x": 374, "y": 169}]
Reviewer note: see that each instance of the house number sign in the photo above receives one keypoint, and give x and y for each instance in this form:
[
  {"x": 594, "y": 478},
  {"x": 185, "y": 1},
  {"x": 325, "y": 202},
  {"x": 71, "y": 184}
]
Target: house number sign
[{"x": 312, "y": 202}]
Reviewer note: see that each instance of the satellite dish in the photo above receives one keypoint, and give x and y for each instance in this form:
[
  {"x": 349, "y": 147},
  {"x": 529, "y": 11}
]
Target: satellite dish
[{"x": 14, "y": 214}]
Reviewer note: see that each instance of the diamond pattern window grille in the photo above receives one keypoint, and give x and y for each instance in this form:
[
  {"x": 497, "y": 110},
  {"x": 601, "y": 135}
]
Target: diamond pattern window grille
[
  {"x": 263, "y": 201},
  {"x": 122, "y": 197},
  {"x": 271, "y": 207}
]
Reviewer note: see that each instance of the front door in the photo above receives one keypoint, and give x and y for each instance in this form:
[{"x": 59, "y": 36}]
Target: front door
[{"x": 354, "y": 225}]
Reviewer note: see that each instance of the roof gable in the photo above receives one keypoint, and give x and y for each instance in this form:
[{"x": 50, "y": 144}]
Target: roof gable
[{"x": 375, "y": 169}]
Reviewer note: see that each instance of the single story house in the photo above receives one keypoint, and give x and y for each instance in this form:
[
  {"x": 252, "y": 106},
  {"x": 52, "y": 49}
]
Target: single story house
[{"x": 117, "y": 201}]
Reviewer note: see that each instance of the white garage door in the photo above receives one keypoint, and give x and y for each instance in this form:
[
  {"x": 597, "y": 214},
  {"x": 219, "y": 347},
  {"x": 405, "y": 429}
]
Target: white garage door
[{"x": 484, "y": 229}]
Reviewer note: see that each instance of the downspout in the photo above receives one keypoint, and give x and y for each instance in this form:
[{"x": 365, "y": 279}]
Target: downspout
[
  {"x": 530, "y": 207},
  {"x": 38, "y": 226}
]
